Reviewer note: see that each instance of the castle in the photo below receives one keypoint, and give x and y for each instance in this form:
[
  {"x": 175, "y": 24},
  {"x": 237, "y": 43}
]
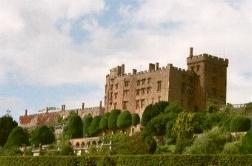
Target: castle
[{"x": 204, "y": 81}]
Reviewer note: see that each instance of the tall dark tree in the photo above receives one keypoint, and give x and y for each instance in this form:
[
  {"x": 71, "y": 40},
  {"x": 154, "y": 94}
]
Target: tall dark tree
[
  {"x": 94, "y": 126},
  {"x": 112, "y": 120},
  {"x": 124, "y": 120},
  {"x": 104, "y": 121},
  {"x": 6, "y": 125},
  {"x": 86, "y": 123},
  {"x": 42, "y": 136},
  {"x": 17, "y": 137},
  {"x": 135, "y": 119},
  {"x": 75, "y": 127}
]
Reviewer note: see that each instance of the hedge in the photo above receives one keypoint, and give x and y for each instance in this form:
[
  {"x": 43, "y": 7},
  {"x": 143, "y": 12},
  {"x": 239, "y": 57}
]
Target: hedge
[{"x": 130, "y": 160}]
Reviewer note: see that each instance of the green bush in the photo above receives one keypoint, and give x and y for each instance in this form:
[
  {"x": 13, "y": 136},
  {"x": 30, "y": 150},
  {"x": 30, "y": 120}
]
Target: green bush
[
  {"x": 239, "y": 124},
  {"x": 42, "y": 135},
  {"x": 199, "y": 122},
  {"x": 232, "y": 148},
  {"x": 66, "y": 150},
  {"x": 124, "y": 120},
  {"x": 153, "y": 110},
  {"x": 103, "y": 125},
  {"x": 86, "y": 123},
  {"x": 17, "y": 137},
  {"x": 75, "y": 127},
  {"x": 6, "y": 125},
  {"x": 135, "y": 119},
  {"x": 94, "y": 126},
  {"x": 246, "y": 145},
  {"x": 112, "y": 120}
]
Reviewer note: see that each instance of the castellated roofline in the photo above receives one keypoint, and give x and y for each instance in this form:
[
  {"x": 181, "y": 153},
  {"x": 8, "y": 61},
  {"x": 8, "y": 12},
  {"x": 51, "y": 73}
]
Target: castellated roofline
[{"x": 207, "y": 57}]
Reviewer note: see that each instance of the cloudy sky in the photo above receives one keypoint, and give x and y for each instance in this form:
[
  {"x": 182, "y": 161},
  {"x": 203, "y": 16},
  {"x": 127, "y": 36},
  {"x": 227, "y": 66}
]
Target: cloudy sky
[{"x": 55, "y": 52}]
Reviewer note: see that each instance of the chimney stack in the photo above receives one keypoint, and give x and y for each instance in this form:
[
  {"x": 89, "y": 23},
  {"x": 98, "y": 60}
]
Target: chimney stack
[
  {"x": 26, "y": 112},
  {"x": 83, "y": 106},
  {"x": 47, "y": 109},
  {"x": 100, "y": 104},
  {"x": 151, "y": 67},
  {"x": 191, "y": 52},
  {"x": 157, "y": 66},
  {"x": 134, "y": 71},
  {"x": 63, "y": 107}
]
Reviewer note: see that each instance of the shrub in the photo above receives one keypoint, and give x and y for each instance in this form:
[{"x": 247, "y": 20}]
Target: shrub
[
  {"x": 66, "y": 150},
  {"x": 75, "y": 127},
  {"x": 211, "y": 142},
  {"x": 104, "y": 121},
  {"x": 246, "y": 146},
  {"x": 239, "y": 124},
  {"x": 86, "y": 123},
  {"x": 232, "y": 148},
  {"x": 214, "y": 119},
  {"x": 112, "y": 120},
  {"x": 199, "y": 122},
  {"x": 153, "y": 110},
  {"x": 6, "y": 125},
  {"x": 17, "y": 137},
  {"x": 94, "y": 126},
  {"x": 124, "y": 120},
  {"x": 173, "y": 107},
  {"x": 135, "y": 119},
  {"x": 157, "y": 125},
  {"x": 42, "y": 135}
]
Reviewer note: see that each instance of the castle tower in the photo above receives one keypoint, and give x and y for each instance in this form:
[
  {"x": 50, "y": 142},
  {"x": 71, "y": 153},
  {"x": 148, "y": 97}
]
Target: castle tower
[{"x": 210, "y": 79}]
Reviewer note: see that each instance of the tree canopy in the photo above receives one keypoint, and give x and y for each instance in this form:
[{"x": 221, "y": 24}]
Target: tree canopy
[
  {"x": 17, "y": 137},
  {"x": 112, "y": 120},
  {"x": 42, "y": 135},
  {"x": 124, "y": 120},
  {"x": 75, "y": 127},
  {"x": 135, "y": 119},
  {"x": 94, "y": 126},
  {"x": 6, "y": 125},
  {"x": 86, "y": 123},
  {"x": 104, "y": 121}
]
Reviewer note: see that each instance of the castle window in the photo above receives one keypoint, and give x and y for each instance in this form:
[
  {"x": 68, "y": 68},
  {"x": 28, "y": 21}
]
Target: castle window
[
  {"x": 111, "y": 87},
  {"x": 137, "y": 104},
  {"x": 148, "y": 90},
  {"x": 116, "y": 86},
  {"x": 125, "y": 93},
  {"x": 149, "y": 79},
  {"x": 159, "y": 84},
  {"x": 111, "y": 96},
  {"x": 126, "y": 83},
  {"x": 142, "y": 103},
  {"x": 143, "y": 81},
  {"x": 115, "y": 94},
  {"x": 106, "y": 86},
  {"x": 198, "y": 67},
  {"x": 125, "y": 105},
  {"x": 138, "y": 82},
  {"x": 137, "y": 91},
  {"x": 143, "y": 91}
]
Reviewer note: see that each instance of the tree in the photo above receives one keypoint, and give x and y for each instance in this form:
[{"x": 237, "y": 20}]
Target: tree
[
  {"x": 6, "y": 125},
  {"x": 113, "y": 118},
  {"x": 42, "y": 135},
  {"x": 66, "y": 150},
  {"x": 17, "y": 137},
  {"x": 153, "y": 110},
  {"x": 104, "y": 121},
  {"x": 239, "y": 124},
  {"x": 86, "y": 123},
  {"x": 124, "y": 120},
  {"x": 246, "y": 146},
  {"x": 199, "y": 122},
  {"x": 94, "y": 126},
  {"x": 135, "y": 119},
  {"x": 75, "y": 127}
]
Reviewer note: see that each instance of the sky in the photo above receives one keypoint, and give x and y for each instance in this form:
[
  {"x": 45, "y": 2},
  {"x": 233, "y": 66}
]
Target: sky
[{"x": 59, "y": 52}]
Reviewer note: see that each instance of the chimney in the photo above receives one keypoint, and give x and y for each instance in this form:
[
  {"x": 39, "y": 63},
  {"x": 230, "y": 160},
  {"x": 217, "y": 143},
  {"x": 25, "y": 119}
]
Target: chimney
[
  {"x": 191, "y": 52},
  {"x": 157, "y": 66},
  {"x": 63, "y": 107},
  {"x": 134, "y": 71},
  {"x": 100, "y": 104},
  {"x": 26, "y": 112},
  {"x": 122, "y": 69},
  {"x": 151, "y": 67},
  {"x": 83, "y": 106},
  {"x": 47, "y": 109}
]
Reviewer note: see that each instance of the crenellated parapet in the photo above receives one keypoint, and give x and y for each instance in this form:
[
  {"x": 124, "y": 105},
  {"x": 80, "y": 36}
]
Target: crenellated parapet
[{"x": 207, "y": 58}]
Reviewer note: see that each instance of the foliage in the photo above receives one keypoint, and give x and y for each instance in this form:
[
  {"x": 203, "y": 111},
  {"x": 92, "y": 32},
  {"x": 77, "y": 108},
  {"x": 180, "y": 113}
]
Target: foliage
[
  {"x": 17, "y": 137},
  {"x": 152, "y": 144},
  {"x": 232, "y": 148},
  {"x": 239, "y": 124},
  {"x": 165, "y": 149},
  {"x": 176, "y": 108},
  {"x": 157, "y": 125},
  {"x": 214, "y": 119},
  {"x": 135, "y": 119},
  {"x": 104, "y": 121},
  {"x": 112, "y": 120},
  {"x": 66, "y": 150},
  {"x": 86, "y": 123},
  {"x": 94, "y": 126},
  {"x": 199, "y": 122},
  {"x": 153, "y": 110},
  {"x": 75, "y": 127},
  {"x": 211, "y": 142},
  {"x": 183, "y": 129},
  {"x": 124, "y": 120},
  {"x": 129, "y": 160},
  {"x": 246, "y": 146},
  {"x": 42, "y": 136},
  {"x": 248, "y": 106},
  {"x": 6, "y": 125}
]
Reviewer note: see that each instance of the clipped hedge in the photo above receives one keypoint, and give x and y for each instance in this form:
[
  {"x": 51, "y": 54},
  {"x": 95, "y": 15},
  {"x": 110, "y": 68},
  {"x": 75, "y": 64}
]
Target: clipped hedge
[{"x": 130, "y": 160}]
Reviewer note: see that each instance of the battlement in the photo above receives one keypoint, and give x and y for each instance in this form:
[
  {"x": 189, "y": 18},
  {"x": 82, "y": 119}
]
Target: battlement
[{"x": 207, "y": 58}]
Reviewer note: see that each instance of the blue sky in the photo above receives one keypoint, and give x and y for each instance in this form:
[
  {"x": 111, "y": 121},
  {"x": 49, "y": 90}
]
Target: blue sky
[{"x": 59, "y": 52}]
